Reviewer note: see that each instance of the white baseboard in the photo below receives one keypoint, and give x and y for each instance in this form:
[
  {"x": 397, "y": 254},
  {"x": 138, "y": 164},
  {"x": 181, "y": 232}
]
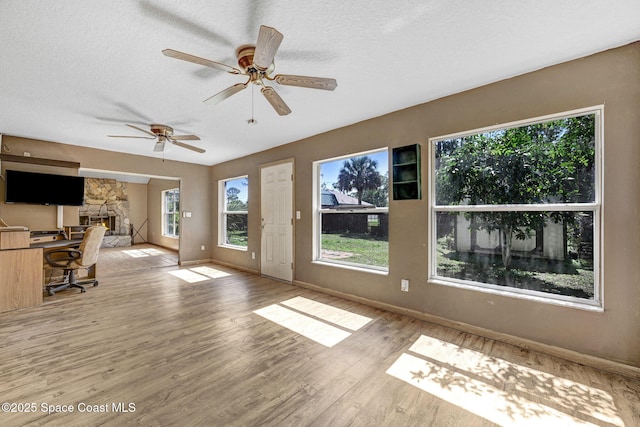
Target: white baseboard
[{"x": 234, "y": 266}]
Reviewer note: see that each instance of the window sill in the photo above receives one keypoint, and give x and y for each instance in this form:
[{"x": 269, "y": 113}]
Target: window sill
[
  {"x": 171, "y": 237},
  {"x": 236, "y": 248},
  {"x": 592, "y": 306},
  {"x": 373, "y": 270}
]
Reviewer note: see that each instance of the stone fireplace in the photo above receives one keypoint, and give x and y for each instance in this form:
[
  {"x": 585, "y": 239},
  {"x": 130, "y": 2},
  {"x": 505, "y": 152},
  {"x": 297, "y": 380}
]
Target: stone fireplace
[{"x": 106, "y": 202}]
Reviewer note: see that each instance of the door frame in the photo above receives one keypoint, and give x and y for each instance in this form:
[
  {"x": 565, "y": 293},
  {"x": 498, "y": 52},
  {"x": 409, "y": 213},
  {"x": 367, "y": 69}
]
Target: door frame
[{"x": 292, "y": 245}]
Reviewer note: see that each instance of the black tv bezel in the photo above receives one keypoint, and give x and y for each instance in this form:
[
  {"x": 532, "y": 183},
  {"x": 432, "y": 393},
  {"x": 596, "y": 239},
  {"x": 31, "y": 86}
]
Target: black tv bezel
[{"x": 50, "y": 189}]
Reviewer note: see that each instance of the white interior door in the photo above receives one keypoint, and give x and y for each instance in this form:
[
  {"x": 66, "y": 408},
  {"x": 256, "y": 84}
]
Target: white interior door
[{"x": 276, "y": 255}]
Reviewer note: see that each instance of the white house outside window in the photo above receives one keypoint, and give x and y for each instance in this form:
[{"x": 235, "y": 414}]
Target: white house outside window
[
  {"x": 351, "y": 214},
  {"x": 234, "y": 212},
  {"x": 516, "y": 208},
  {"x": 171, "y": 213}
]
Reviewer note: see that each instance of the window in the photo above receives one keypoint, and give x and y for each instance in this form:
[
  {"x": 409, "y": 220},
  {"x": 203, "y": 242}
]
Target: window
[
  {"x": 171, "y": 213},
  {"x": 352, "y": 214},
  {"x": 516, "y": 208},
  {"x": 234, "y": 212}
]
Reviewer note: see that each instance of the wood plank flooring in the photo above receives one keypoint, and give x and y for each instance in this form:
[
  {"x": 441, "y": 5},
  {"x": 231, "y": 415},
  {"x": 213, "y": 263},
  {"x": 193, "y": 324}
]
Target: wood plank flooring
[
  {"x": 209, "y": 345},
  {"x": 137, "y": 257}
]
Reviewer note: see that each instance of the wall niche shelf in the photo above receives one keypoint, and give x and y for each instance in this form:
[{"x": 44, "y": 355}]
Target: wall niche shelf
[{"x": 406, "y": 172}]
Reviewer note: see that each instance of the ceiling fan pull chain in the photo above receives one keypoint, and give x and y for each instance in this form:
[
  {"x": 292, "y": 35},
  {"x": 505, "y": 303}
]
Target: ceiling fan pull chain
[{"x": 252, "y": 121}]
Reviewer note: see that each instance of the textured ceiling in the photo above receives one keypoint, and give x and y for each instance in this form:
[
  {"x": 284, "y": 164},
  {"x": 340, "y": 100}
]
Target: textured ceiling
[{"x": 75, "y": 71}]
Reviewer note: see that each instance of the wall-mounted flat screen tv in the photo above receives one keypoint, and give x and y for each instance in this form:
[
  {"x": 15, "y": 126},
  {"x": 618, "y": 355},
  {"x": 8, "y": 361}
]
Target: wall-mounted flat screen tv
[{"x": 43, "y": 188}]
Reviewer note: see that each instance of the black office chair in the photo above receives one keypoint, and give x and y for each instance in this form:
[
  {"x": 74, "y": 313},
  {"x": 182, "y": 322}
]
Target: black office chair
[{"x": 71, "y": 260}]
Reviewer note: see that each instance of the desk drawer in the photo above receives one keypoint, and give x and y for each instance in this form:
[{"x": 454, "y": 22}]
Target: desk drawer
[
  {"x": 45, "y": 238},
  {"x": 14, "y": 239}
]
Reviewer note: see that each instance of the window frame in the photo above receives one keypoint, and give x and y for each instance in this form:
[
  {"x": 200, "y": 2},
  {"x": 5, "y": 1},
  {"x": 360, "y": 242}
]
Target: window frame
[
  {"x": 595, "y": 304},
  {"x": 223, "y": 213},
  {"x": 318, "y": 211},
  {"x": 165, "y": 213}
]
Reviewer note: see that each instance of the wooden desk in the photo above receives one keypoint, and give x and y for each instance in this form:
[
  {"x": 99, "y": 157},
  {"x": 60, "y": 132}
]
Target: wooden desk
[
  {"x": 20, "y": 272},
  {"x": 57, "y": 244}
]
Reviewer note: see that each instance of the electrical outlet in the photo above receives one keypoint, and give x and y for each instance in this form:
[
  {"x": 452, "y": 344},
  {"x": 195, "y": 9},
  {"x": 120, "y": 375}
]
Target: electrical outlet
[
  {"x": 202, "y": 248},
  {"x": 404, "y": 285},
  {"x": 253, "y": 255}
]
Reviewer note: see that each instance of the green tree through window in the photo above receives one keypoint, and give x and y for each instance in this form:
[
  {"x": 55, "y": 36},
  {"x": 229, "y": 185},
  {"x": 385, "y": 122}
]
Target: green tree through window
[
  {"x": 171, "y": 212},
  {"x": 518, "y": 183},
  {"x": 234, "y": 212},
  {"x": 353, "y": 215}
]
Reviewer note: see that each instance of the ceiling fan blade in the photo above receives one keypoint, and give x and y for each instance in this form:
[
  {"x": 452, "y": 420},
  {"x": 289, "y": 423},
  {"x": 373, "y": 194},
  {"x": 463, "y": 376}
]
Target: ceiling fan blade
[
  {"x": 276, "y": 102},
  {"x": 187, "y": 146},
  {"x": 269, "y": 40},
  {"x": 127, "y": 136},
  {"x": 142, "y": 130},
  {"x": 221, "y": 96},
  {"x": 159, "y": 147},
  {"x": 306, "y": 81},
  {"x": 186, "y": 137},
  {"x": 201, "y": 61}
]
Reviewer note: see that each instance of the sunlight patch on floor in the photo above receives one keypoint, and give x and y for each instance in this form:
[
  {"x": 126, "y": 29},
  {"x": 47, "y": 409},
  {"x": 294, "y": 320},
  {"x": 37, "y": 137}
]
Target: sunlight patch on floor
[
  {"x": 198, "y": 274},
  {"x": 337, "y": 316},
  {"x": 502, "y": 392},
  {"x": 210, "y": 272},
  {"x": 316, "y": 330},
  {"x": 139, "y": 253},
  {"x": 314, "y": 320},
  {"x": 189, "y": 276}
]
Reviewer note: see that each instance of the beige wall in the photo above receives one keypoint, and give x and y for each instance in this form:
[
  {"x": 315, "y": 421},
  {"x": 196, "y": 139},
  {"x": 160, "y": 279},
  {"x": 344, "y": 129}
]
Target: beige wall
[
  {"x": 194, "y": 196},
  {"x": 610, "y": 78},
  {"x": 155, "y": 187},
  {"x": 138, "y": 210}
]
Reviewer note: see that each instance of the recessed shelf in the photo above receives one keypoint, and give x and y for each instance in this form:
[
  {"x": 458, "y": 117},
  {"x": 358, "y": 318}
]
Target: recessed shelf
[{"x": 406, "y": 172}]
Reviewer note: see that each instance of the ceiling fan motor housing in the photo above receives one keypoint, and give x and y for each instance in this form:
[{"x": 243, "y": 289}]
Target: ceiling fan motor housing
[
  {"x": 245, "y": 55},
  {"x": 162, "y": 130}
]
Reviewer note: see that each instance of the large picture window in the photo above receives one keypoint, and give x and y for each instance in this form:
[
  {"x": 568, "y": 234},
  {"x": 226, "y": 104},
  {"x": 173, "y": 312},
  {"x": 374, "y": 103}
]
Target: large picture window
[
  {"x": 171, "y": 213},
  {"x": 234, "y": 212},
  {"x": 352, "y": 199},
  {"x": 516, "y": 208}
]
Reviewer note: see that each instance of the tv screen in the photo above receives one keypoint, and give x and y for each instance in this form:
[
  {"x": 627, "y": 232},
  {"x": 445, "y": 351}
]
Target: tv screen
[{"x": 43, "y": 188}]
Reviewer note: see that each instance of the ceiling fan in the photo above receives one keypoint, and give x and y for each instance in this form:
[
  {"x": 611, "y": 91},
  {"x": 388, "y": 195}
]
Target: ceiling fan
[
  {"x": 256, "y": 62},
  {"x": 164, "y": 133}
]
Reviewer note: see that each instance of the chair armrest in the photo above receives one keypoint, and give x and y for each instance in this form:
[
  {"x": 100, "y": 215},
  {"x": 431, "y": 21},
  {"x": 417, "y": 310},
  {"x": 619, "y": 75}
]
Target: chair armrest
[{"x": 63, "y": 257}]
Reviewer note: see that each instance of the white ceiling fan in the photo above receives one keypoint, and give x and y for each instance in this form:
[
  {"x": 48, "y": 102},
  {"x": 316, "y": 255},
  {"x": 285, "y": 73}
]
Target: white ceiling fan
[
  {"x": 256, "y": 62},
  {"x": 162, "y": 134}
]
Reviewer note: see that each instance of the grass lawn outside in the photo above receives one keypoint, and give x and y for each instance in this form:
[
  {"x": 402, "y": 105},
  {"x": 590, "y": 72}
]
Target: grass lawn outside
[
  {"x": 237, "y": 238},
  {"x": 356, "y": 249}
]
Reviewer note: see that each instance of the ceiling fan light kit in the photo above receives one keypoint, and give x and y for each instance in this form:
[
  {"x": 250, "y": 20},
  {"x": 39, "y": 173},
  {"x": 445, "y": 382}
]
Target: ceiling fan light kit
[{"x": 256, "y": 62}]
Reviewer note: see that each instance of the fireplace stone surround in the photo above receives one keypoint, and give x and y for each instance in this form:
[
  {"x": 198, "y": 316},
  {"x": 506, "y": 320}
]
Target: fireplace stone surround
[{"x": 106, "y": 202}]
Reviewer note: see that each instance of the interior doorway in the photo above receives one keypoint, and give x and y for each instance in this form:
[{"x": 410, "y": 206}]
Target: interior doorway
[{"x": 141, "y": 198}]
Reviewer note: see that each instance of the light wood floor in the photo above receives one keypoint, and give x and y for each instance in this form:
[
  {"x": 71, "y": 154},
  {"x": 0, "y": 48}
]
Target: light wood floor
[
  {"x": 137, "y": 257},
  {"x": 208, "y": 345}
]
